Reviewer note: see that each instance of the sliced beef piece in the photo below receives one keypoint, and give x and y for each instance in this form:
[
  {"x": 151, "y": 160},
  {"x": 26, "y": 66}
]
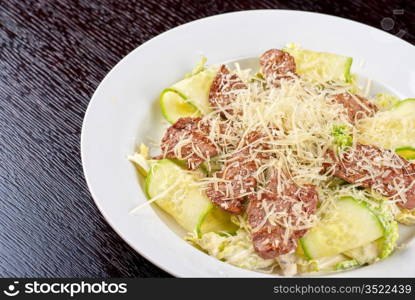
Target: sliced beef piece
[
  {"x": 224, "y": 89},
  {"x": 291, "y": 205},
  {"x": 277, "y": 65},
  {"x": 259, "y": 144},
  {"x": 187, "y": 139},
  {"x": 379, "y": 169},
  {"x": 236, "y": 180},
  {"x": 357, "y": 106}
]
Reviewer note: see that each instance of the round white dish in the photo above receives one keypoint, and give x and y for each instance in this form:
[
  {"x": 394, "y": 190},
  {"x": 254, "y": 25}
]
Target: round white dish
[{"x": 124, "y": 111}]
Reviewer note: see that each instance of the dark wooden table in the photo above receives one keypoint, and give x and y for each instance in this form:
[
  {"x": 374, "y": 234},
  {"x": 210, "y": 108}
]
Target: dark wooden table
[{"x": 53, "y": 54}]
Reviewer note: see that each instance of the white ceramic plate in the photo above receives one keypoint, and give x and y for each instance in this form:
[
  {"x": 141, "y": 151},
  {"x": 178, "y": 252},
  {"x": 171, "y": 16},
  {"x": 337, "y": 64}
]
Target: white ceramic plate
[{"x": 124, "y": 112}]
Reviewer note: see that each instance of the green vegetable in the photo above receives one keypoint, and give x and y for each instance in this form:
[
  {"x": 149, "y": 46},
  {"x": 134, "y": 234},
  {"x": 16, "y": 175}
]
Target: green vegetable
[
  {"x": 143, "y": 165},
  {"x": 307, "y": 266},
  {"x": 344, "y": 265},
  {"x": 179, "y": 194},
  {"x": 235, "y": 249},
  {"x": 342, "y": 137},
  {"x": 141, "y": 161},
  {"x": 196, "y": 89},
  {"x": 174, "y": 105},
  {"x": 385, "y": 245},
  {"x": 320, "y": 66},
  {"x": 392, "y": 129},
  {"x": 211, "y": 166},
  {"x": 257, "y": 77},
  {"x": 198, "y": 68},
  {"x": 349, "y": 225},
  {"x": 406, "y": 106},
  {"x": 388, "y": 242},
  {"x": 216, "y": 220},
  {"x": 406, "y": 152},
  {"x": 335, "y": 182},
  {"x": 189, "y": 97},
  {"x": 386, "y": 101},
  {"x": 365, "y": 254},
  {"x": 328, "y": 263},
  {"x": 406, "y": 216}
]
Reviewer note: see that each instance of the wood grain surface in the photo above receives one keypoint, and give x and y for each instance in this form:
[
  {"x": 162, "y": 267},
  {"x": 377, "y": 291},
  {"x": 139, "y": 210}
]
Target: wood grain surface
[{"x": 53, "y": 54}]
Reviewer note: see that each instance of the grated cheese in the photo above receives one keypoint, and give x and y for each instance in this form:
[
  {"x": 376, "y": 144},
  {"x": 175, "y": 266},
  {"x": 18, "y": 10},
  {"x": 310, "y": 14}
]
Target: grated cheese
[{"x": 294, "y": 124}]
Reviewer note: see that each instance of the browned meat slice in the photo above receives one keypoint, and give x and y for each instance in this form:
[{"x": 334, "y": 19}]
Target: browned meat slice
[
  {"x": 187, "y": 140},
  {"x": 357, "y": 107},
  {"x": 236, "y": 180},
  {"x": 379, "y": 169},
  {"x": 279, "y": 216},
  {"x": 224, "y": 89},
  {"x": 277, "y": 65}
]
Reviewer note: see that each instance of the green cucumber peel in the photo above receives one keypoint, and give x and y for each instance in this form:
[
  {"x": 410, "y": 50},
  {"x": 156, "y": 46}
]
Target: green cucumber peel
[
  {"x": 405, "y": 101},
  {"x": 406, "y": 152},
  {"x": 172, "y": 116}
]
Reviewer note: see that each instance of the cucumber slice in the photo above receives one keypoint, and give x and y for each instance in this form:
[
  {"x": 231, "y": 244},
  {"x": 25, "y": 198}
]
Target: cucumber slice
[
  {"x": 196, "y": 89},
  {"x": 216, "y": 220},
  {"x": 393, "y": 129},
  {"x": 406, "y": 152},
  {"x": 405, "y": 110},
  {"x": 320, "y": 66},
  {"x": 406, "y": 106},
  {"x": 174, "y": 105},
  {"x": 350, "y": 225},
  {"x": 181, "y": 197},
  {"x": 177, "y": 193},
  {"x": 382, "y": 247}
]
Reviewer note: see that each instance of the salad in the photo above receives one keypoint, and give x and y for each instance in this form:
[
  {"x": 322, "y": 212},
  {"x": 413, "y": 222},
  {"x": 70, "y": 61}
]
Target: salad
[{"x": 291, "y": 170}]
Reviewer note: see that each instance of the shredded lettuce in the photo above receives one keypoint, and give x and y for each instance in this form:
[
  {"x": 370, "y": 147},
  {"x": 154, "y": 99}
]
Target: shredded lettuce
[
  {"x": 141, "y": 160},
  {"x": 388, "y": 243},
  {"x": 385, "y": 213},
  {"x": 306, "y": 266},
  {"x": 236, "y": 249},
  {"x": 347, "y": 264},
  {"x": 406, "y": 216},
  {"x": 198, "y": 68},
  {"x": 365, "y": 254},
  {"x": 329, "y": 263},
  {"x": 342, "y": 137},
  {"x": 385, "y": 101}
]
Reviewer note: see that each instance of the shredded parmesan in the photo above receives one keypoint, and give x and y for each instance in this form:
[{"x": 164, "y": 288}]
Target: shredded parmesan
[
  {"x": 288, "y": 128},
  {"x": 294, "y": 122}
]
